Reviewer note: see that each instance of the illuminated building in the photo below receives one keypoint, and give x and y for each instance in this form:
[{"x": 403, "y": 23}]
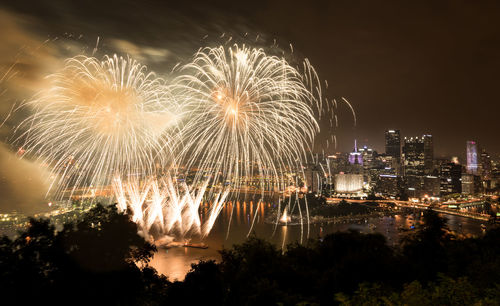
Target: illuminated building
[
  {"x": 428, "y": 154},
  {"x": 313, "y": 179},
  {"x": 369, "y": 161},
  {"x": 348, "y": 183},
  {"x": 388, "y": 184},
  {"x": 418, "y": 155},
  {"x": 414, "y": 156},
  {"x": 485, "y": 166},
  {"x": 414, "y": 185},
  {"x": 368, "y": 155},
  {"x": 432, "y": 186},
  {"x": 334, "y": 163},
  {"x": 471, "y": 184},
  {"x": 420, "y": 186},
  {"x": 472, "y": 167},
  {"x": 393, "y": 144},
  {"x": 451, "y": 178},
  {"x": 495, "y": 178},
  {"x": 385, "y": 162},
  {"x": 381, "y": 164},
  {"x": 355, "y": 157}
]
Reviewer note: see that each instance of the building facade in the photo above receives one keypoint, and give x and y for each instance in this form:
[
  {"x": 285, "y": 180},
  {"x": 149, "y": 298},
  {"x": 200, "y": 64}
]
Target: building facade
[
  {"x": 388, "y": 184},
  {"x": 472, "y": 165},
  {"x": 348, "y": 183},
  {"x": 471, "y": 184},
  {"x": 451, "y": 178},
  {"x": 413, "y": 156},
  {"x": 393, "y": 143},
  {"x": 428, "y": 154},
  {"x": 432, "y": 186}
]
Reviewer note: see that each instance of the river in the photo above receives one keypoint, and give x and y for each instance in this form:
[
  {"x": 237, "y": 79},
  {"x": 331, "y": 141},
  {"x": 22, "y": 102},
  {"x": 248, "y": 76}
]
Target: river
[{"x": 234, "y": 223}]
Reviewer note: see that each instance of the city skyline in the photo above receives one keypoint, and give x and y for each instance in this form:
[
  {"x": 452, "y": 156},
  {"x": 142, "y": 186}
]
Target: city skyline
[
  {"x": 267, "y": 152},
  {"x": 246, "y": 68},
  {"x": 382, "y": 148}
]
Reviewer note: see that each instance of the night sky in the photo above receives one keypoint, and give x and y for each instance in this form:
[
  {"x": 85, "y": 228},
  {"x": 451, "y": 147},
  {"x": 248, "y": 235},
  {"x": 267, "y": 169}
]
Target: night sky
[{"x": 419, "y": 66}]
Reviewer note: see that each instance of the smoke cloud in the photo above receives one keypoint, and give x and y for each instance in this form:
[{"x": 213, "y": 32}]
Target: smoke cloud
[{"x": 22, "y": 184}]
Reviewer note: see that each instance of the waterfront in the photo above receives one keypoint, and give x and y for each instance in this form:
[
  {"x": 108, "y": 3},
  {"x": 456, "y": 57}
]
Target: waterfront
[{"x": 176, "y": 262}]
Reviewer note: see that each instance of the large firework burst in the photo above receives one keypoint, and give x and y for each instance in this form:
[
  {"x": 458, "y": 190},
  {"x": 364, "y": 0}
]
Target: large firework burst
[
  {"x": 235, "y": 116},
  {"x": 245, "y": 115},
  {"x": 95, "y": 120}
]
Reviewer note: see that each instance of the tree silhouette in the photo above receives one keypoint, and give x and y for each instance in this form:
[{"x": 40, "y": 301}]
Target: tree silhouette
[
  {"x": 91, "y": 260},
  {"x": 100, "y": 259}
]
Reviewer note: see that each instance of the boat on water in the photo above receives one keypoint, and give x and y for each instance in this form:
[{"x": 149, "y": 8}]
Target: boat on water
[
  {"x": 285, "y": 218},
  {"x": 176, "y": 244},
  {"x": 200, "y": 245},
  {"x": 185, "y": 244}
]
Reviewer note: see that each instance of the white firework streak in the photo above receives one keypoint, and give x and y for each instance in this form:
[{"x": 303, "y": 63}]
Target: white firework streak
[
  {"x": 233, "y": 114},
  {"x": 174, "y": 206},
  {"x": 137, "y": 196},
  {"x": 215, "y": 209},
  {"x": 155, "y": 210},
  {"x": 95, "y": 120},
  {"x": 244, "y": 113},
  {"x": 163, "y": 206},
  {"x": 120, "y": 195},
  {"x": 191, "y": 213}
]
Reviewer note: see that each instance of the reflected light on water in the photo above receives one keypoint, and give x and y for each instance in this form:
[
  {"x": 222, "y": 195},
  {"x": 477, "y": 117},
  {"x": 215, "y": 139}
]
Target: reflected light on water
[{"x": 176, "y": 262}]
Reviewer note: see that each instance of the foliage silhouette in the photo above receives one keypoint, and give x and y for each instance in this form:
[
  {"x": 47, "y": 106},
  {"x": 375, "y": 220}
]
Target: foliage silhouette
[
  {"x": 95, "y": 259},
  {"x": 101, "y": 259}
]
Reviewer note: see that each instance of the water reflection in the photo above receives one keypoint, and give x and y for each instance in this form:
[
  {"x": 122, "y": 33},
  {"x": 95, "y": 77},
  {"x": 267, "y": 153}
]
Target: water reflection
[{"x": 237, "y": 217}]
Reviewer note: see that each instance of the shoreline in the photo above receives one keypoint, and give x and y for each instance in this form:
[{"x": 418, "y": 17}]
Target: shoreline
[{"x": 332, "y": 220}]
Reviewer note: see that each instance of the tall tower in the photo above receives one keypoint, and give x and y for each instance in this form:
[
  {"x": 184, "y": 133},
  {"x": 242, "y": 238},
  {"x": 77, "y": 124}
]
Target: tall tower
[
  {"x": 486, "y": 166},
  {"x": 472, "y": 167},
  {"x": 355, "y": 157},
  {"x": 428, "y": 154},
  {"x": 451, "y": 175},
  {"x": 393, "y": 144},
  {"x": 414, "y": 156}
]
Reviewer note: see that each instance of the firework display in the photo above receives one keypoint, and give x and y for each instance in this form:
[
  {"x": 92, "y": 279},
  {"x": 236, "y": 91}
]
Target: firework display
[
  {"x": 162, "y": 207},
  {"x": 245, "y": 114},
  {"x": 234, "y": 117},
  {"x": 96, "y": 120}
]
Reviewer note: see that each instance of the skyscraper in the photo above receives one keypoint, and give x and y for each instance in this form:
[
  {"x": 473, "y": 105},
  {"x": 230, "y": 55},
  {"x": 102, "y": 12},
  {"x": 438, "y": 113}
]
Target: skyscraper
[
  {"x": 388, "y": 184},
  {"x": 471, "y": 184},
  {"x": 414, "y": 156},
  {"x": 472, "y": 157},
  {"x": 432, "y": 186},
  {"x": 428, "y": 154},
  {"x": 368, "y": 155},
  {"x": 485, "y": 166},
  {"x": 451, "y": 178},
  {"x": 355, "y": 156},
  {"x": 393, "y": 144}
]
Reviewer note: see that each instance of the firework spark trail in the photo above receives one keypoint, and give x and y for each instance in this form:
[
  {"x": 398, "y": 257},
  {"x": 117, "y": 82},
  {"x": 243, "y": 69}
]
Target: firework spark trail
[
  {"x": 215, "y": 209},
  {"x": 165, "y": 208},
  {"x": 249, "y": 114},
  {"x": 98, "y": 119},
  {"x": 137, "y": 198},
  {"x": 233, "y": 114},
  {"x": 120, "y": 194},
  {"x": 155, "y": 210}
]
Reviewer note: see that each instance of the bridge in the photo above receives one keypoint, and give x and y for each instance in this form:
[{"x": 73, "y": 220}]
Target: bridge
[{"x": 409, "y": 204}]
